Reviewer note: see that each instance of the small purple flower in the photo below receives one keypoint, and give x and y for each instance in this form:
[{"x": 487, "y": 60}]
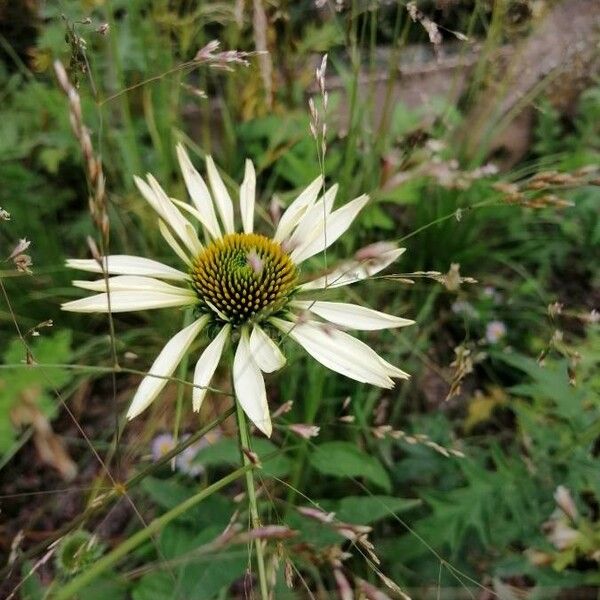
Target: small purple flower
[
  {"x": 462, "y": 307},
  {"x": 495, "y": 331},
  {"x": 185, "y": 460},
  {"x": 162, "y": 444},
  {"x": 491, "y": 292}
]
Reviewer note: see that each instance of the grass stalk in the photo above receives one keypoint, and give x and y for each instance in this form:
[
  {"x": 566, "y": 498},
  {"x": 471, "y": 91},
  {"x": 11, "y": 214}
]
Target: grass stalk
[
  {"x": 112, "y": 494},
  {"x": 131, "y": 543},
  {"x": 245, "y": 443}
]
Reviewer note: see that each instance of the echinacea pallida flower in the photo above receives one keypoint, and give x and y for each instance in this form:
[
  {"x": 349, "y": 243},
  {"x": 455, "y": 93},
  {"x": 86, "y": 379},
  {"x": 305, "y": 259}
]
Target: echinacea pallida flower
[{"x": 245, "y": 288}]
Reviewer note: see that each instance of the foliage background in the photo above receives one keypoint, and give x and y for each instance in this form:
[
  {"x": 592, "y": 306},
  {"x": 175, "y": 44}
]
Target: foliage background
[{"x": 444, "y": 525}]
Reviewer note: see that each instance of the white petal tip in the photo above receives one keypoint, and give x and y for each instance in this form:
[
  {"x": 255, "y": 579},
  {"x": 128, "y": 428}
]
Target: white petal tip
[{"x": 266, "y": 428}]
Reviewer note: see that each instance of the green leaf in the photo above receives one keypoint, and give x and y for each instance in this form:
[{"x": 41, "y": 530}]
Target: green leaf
[
  {"x": 53, "y": 349},
  {"x": 343, "y": 459},
  {"x": 32, "y": 588},
  {"x": 166, "y": 494},
  {"x": 364, "y": 510},
  {"x": 206, "y": 576},
  {"x": 38, "y": 383},
  {"x": 154, "y": 586},
  {"x": 226, "y": 452},
  {"x": 215, "y": 510},
  {"x": 313, "y": 532},
  {"x": 109, "y": 586},
  {"x": 201, "y": 579}
]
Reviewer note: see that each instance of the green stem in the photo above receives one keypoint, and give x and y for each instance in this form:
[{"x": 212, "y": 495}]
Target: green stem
[
  {"x": 245, "y": 443},
  {"x": 103, "y": 501},
  {"x": 130, "y": 544}
]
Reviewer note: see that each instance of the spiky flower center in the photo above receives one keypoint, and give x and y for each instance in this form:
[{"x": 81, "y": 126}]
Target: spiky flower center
[{"x": 244, "y": 276}]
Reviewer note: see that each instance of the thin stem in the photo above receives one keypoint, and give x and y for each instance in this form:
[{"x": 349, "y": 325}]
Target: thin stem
[
  {"x": 134, "y": 541},
  {"x": 113, "y": 493},
  {"x": 245, "y": 443}
]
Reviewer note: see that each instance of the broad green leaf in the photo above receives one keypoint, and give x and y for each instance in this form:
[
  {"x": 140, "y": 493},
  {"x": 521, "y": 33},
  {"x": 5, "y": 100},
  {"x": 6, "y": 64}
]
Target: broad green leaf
[
  {"x": 364, "y": 510},
  {"x": 154, "y": 586},
  {"x": 226, "y": 452},
  {"x": 206, "y": 576},
  {"x": 109, "y": 586},
  {"x": 32, "y": 588},
  {"x": 37, "y": 383},
  {"x": 215, "y": 510},
  {"x": 344, "y": 459}
]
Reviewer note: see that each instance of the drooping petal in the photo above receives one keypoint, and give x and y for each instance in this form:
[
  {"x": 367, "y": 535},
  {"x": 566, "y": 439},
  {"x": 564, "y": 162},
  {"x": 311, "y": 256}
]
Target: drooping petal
[
  {"x": 312, "y": 219},
  {"x": 220, "y": 195},
  {"x": 199, "y": 193},
  {"x": 158, "y": 199},
  {"x": 164, "y": 365},
  {"x": 352, "y": 316},
  {"x": 247, "y": 197},
  {"x": 129, "y": 301},
  {"x": 207, "y": 365},
  {"x": 330, "y": 229},
  {"x": 250, "y": 386},
  {"x": 122, "y": 264},
  {"x": 296, "y": 210},
  {"x": 265, "y": 351},
  {"x": 353, "y": 271},
  {"x": 337, "y": 351},
  {"x": 168, "y": 237},
  {"x": 126, "y": 283}
]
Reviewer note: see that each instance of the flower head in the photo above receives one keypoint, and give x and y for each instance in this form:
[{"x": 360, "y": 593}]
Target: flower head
[
  {"x": 245, "y": 288},
  {"x": 495, "y": 331}
]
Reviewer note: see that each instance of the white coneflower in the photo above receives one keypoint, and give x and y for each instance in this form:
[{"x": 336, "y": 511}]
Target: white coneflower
[{"x": 245, "y": 288}]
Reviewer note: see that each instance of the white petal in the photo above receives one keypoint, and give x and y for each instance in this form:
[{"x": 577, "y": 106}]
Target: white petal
[
  {"x": 247, "y": 197},
  {"x": 353, "y": 271},
  {"x": 195, "y": 213},
  {"x": 296, "y": 210},
  {"x": 122, "y": 264},
  {"x": 199, "y": 193},
  {"x": 162, "y": 204},
  {"x": 392, "y": 370},
  {"x": 330, "y": 229},
  {"x": 221, "y": 196},
  {"x": 338, "y": 351},
  {"x": 168, "y": 237},
  {"x": 129, "y": 301},
  {"x": 265, "y": 351},
  {"x": 313, "y": 219},
  {"x": 352, "y": 316},
  {"x": 126, "y": 283},
  {"x": 207, "y": 365},
  {"x": 164, "y": 365},
  {"x": 173, "y": 217},
  {"x": 250, "y": 387}
]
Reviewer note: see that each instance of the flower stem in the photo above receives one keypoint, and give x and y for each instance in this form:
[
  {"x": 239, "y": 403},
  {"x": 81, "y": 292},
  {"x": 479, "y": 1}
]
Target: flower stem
[{"x": 245, "y": 443}]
